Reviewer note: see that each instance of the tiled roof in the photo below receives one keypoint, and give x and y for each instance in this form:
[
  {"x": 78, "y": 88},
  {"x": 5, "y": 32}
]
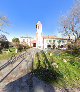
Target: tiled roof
[
  {"x": 54, "y": 37},
  {"x": 61, "y": 38},
  {"x": 49, "y": 37},
  {"x": 25, "y": 37}
]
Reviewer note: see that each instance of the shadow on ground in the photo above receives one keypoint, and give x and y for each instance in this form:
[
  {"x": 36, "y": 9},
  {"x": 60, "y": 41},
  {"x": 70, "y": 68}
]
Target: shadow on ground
[
  {"x": 45, "y": 71},
  {"x": 28, "y": 83}
]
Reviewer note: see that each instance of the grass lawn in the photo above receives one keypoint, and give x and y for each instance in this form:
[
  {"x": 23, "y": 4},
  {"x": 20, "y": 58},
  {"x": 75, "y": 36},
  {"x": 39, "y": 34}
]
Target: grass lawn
[
  {"x": 62, "y": 69},
  {"x": 69, "y": 69},
  {"x": 8, "y": 55}
]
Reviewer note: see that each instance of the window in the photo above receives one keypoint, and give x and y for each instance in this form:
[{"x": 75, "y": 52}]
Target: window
[
  {"x": 53, "y": 41},
  {"x": 23, "y": 40},
  {"x": 50, "y": 40},
  {"x": 63, "y": 41},
  {"x": 48, "y": 46},
  {"x": 27, "y": 40},
  {"x": 59, "y": 41}
]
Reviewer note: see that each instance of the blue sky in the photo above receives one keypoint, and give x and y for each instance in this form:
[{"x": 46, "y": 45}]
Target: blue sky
[{"x": 24, "y": 14}]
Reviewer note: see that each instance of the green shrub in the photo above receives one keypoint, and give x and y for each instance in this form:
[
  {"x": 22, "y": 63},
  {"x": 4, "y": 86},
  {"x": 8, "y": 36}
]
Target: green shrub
[
  {"x": 27, "y": 46},
  {"x": 20, "y": 47}
]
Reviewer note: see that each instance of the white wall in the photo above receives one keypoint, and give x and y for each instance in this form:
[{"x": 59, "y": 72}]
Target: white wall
[
  {"x": 46, "y": 42},
  {"x": 26, "y": 40}
]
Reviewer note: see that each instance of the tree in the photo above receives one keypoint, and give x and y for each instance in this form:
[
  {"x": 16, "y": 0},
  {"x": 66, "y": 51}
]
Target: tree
[
  {"x": 15, "y": 40},
  {"x": 16, "y": 43},
  {"x": 71, "y": 22},
  {"x": 64, "y": 22},
  {"x": 3, "y": 38},
  {"x": 4, "y": 44},
  {"x": 4, "y": 22}
]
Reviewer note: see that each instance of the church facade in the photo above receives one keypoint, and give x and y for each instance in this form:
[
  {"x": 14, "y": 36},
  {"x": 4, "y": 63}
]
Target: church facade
[
  {"x": 43, "y": 42},
  {"x": 47, "y": 41}
]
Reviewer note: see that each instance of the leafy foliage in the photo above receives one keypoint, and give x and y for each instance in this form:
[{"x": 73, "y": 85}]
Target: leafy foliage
[
  {"x": 4, "y": 44},
  {"x": 15, "y": 40}
]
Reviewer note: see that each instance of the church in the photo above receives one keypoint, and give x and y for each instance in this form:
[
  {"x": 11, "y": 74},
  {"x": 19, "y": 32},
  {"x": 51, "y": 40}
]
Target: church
[{"x": 43, "y": 42}]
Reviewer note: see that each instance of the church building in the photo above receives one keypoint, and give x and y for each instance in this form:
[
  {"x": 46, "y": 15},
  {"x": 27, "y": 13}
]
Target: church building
[{"x": 43, "y": 42}]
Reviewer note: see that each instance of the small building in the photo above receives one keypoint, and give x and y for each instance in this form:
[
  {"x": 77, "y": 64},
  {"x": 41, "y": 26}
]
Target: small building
[{"x": 26, "y": 41}]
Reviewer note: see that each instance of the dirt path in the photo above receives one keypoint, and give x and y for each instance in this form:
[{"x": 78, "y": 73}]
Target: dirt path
[{"x": 20, "y": 71}]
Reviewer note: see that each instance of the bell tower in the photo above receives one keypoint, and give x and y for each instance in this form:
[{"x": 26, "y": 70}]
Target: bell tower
[
  {"x": 39, "y": 26},
  {"x": 39, "y": 37}
]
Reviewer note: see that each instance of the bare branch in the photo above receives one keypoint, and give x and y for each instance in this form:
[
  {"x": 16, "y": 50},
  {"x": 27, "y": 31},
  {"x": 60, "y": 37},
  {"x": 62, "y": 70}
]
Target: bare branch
[
  {"x": 71, "y": 22},
  {"x": 4, "y": 22}
]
